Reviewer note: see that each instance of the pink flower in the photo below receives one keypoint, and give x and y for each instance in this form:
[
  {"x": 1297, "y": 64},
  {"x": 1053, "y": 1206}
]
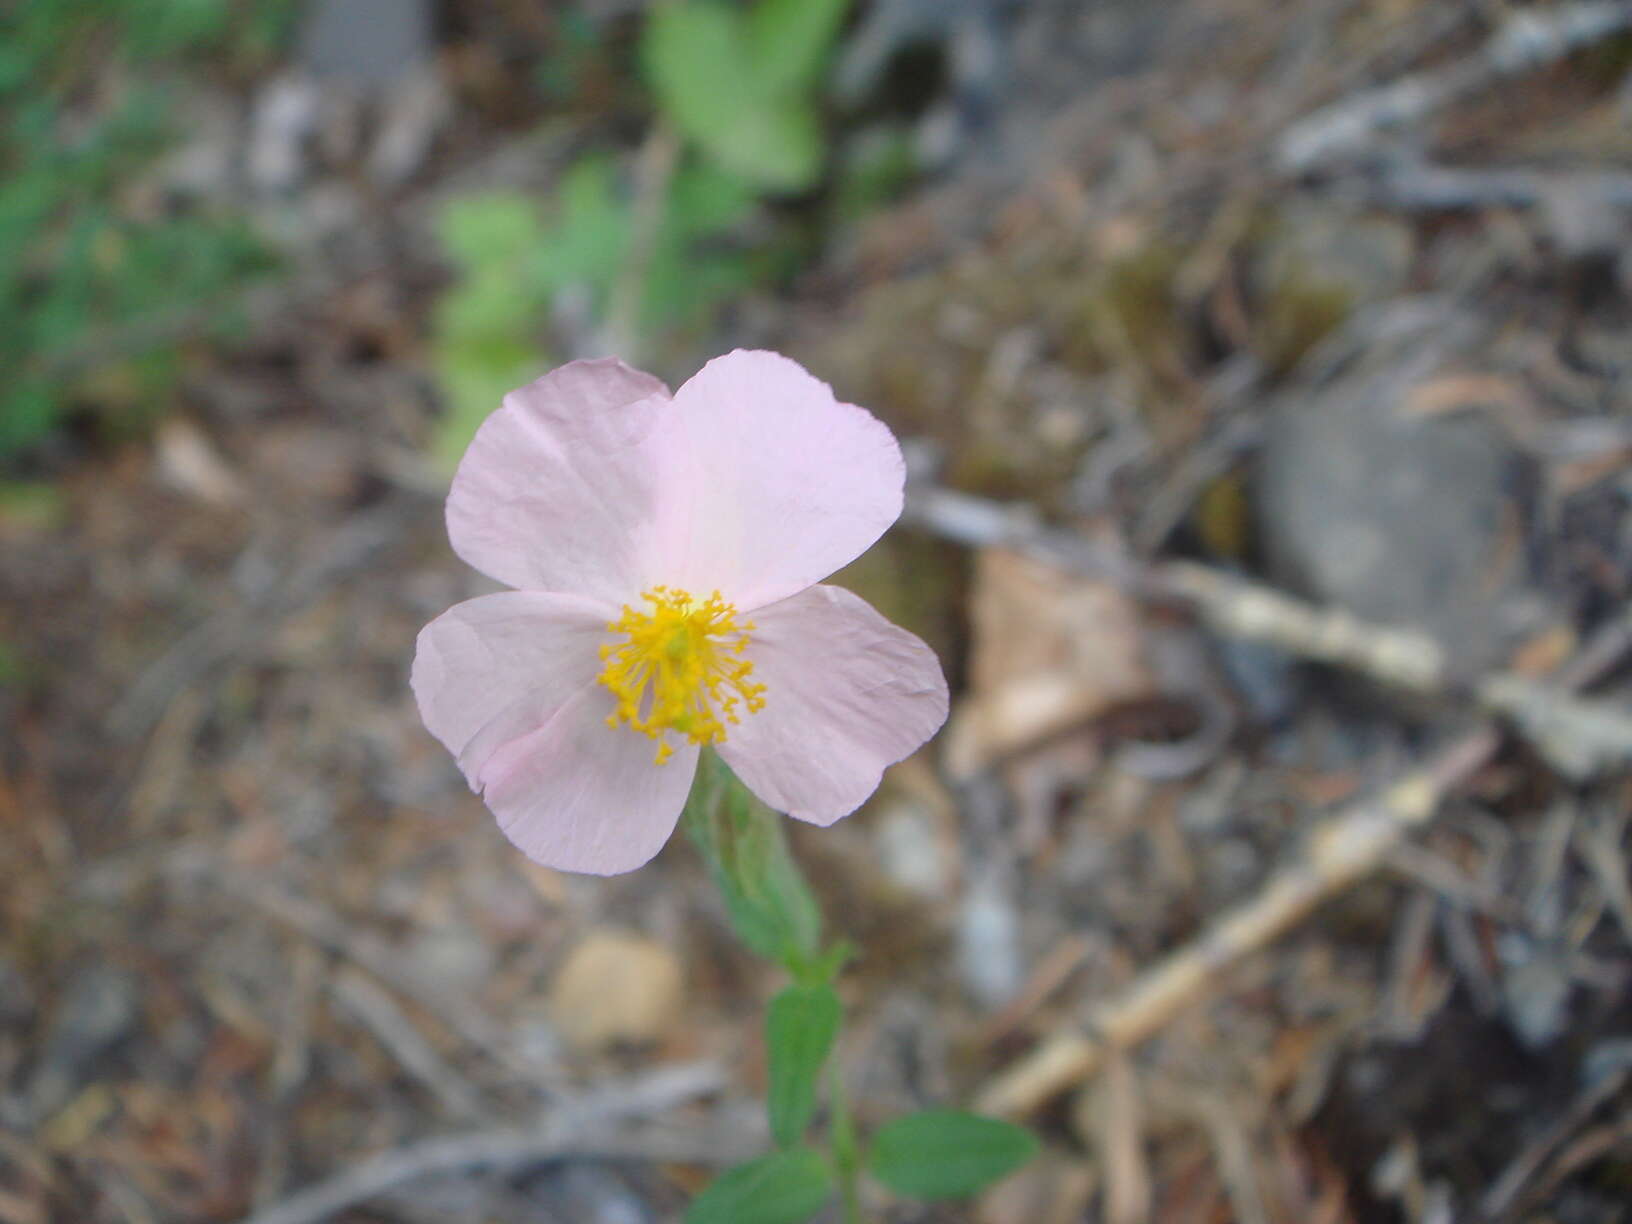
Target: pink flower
[{"x": 667, "y": 553}]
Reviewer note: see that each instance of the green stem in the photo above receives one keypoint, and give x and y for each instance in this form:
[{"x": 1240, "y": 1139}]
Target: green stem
[
  {"x": 846, "y": 1152},
  {"x": 773, "y": 910},
  {"x": 770, "y": 905}
]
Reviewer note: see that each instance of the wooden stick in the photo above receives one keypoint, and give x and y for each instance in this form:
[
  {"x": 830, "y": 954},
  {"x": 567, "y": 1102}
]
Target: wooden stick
[
  {"x": 570, "y": 1133},
  {"x": 1581, "y": 738},
  {"x": 1527, "y": 40},
  {"x": 1342, "y": 850}
]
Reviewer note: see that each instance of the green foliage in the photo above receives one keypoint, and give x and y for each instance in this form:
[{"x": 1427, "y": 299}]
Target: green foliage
[
  {"x": 589, "y": 239},
  {"x": 770, "y": 905},
  {"x": 790, "y": 41},
  {"x": 483, "y": 344},
  {"x": 83, "y": 111},
  {"x": 517, "y": 255},
  {"x": 800, "y": 1027},
  {"x": 935, "y": 1155},
  {"x": 741, "y": 85},
  {"x": 876, "y": 167},
  {"x": 484, "y": 232},
  {"x": 947, "y": 1154},
  {"x": 689, "y": 271},
  {"x": 782, "y": 1188}
]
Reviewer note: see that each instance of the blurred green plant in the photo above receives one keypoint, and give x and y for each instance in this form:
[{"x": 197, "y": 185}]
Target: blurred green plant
[
  {"x": 87, "y": 263},
  {"x": 516, "y": 260},
  {"x": 736, "y": 90},
  {"x": 741, "y": 83},
  {"x": 932, "y": 1154}
]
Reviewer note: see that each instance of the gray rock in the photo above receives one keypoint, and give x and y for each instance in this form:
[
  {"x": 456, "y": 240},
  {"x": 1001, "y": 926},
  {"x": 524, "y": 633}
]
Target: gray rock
[{"x": 1400, "y": 518}]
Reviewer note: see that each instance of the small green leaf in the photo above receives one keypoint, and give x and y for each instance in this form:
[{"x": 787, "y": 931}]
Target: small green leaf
[
  {"x": 699, "y": 61},
  {"x": 947, "y": 1154},
  {"x": 790, "y": 40},
  {"x": 587, "y": 242},
  {"x": 475, "y": 376},
  {"x": 493, "y": 229},
  {"x": 28, "y": 410},
  {"x": 800, "y": 1027},
  {"x": 705, "y": 200},
  {"x": 783, "y": 1188},
  {"x": 695, "y": 58}
]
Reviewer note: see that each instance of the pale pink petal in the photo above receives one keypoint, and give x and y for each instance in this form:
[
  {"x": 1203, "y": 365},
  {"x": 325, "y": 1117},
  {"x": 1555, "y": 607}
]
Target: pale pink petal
[
  {"x": 578, "y": 795},
  {"x": 558, "y": 490},
  {"x": 846, "y": 694},
  {"x": 493, "y": 669},
  {"x": 775, "y": 484}
]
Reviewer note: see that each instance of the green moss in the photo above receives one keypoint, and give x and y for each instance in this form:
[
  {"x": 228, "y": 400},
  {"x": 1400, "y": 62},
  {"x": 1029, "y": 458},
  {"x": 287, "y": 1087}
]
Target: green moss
[
  {"x": 1137, "y": 293},
  {"x": 1301, "y": 311}
]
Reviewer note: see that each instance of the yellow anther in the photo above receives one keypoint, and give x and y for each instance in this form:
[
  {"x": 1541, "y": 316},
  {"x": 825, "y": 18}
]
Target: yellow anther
[{"x": 680, "y": 669}]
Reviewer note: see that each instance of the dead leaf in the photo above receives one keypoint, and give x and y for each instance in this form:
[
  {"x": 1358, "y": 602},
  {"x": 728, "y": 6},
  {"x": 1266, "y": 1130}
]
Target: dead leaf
[
  {"x": 189, "y": 463},
  {"x": 1447, "y": 394},
  {"x": 1545, "y": 652},
  {"x": 1050, "y": 652}
]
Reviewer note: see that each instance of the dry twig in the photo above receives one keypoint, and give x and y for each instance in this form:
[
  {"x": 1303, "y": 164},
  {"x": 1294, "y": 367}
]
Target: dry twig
[
  {"x": 1527, "y": 1167},
  {"x": 654, "y": 172},
  {"x": 1528, "y": 39},
  {"x": 386, "y": 964},
  {"x": 1580, "y": 737},
  {"x": 1413, "y": 184},
  {"x": 1344, "y": 849},
  {"x": 575, "y": 1130},
  {"x": 379, "y": 1011}
]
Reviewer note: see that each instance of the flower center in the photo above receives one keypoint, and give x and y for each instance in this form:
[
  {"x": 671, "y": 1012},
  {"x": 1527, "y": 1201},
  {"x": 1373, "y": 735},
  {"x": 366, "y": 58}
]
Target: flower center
[{"x": 681, "y": 669}]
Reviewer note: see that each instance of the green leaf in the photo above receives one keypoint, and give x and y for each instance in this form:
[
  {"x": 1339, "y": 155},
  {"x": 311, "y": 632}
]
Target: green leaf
[
  {"x": 486, "y": 305},
  {"x": 493, "y": 229},
  {"x": 705, "y": 200},
  {"x": 699, "y": 61},
  {"x": 586, "y": 245},
  {"x": 783, "y": 1188},
  {"x": 790, "y": 41},
  {"x": 475, "y": 376},
  {"x": 28, "y": 410},
  {"x": 800, "y": 1027},
  {"x": 947, "y": 1154}
]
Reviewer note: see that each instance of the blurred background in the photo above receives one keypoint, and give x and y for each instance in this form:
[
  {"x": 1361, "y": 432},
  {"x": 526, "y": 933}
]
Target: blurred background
[{"x": 1264, "y": 371}]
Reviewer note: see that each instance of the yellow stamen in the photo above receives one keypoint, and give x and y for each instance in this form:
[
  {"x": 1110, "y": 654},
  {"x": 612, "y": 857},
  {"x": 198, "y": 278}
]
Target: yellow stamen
[{"x": 681, "y": 669}]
